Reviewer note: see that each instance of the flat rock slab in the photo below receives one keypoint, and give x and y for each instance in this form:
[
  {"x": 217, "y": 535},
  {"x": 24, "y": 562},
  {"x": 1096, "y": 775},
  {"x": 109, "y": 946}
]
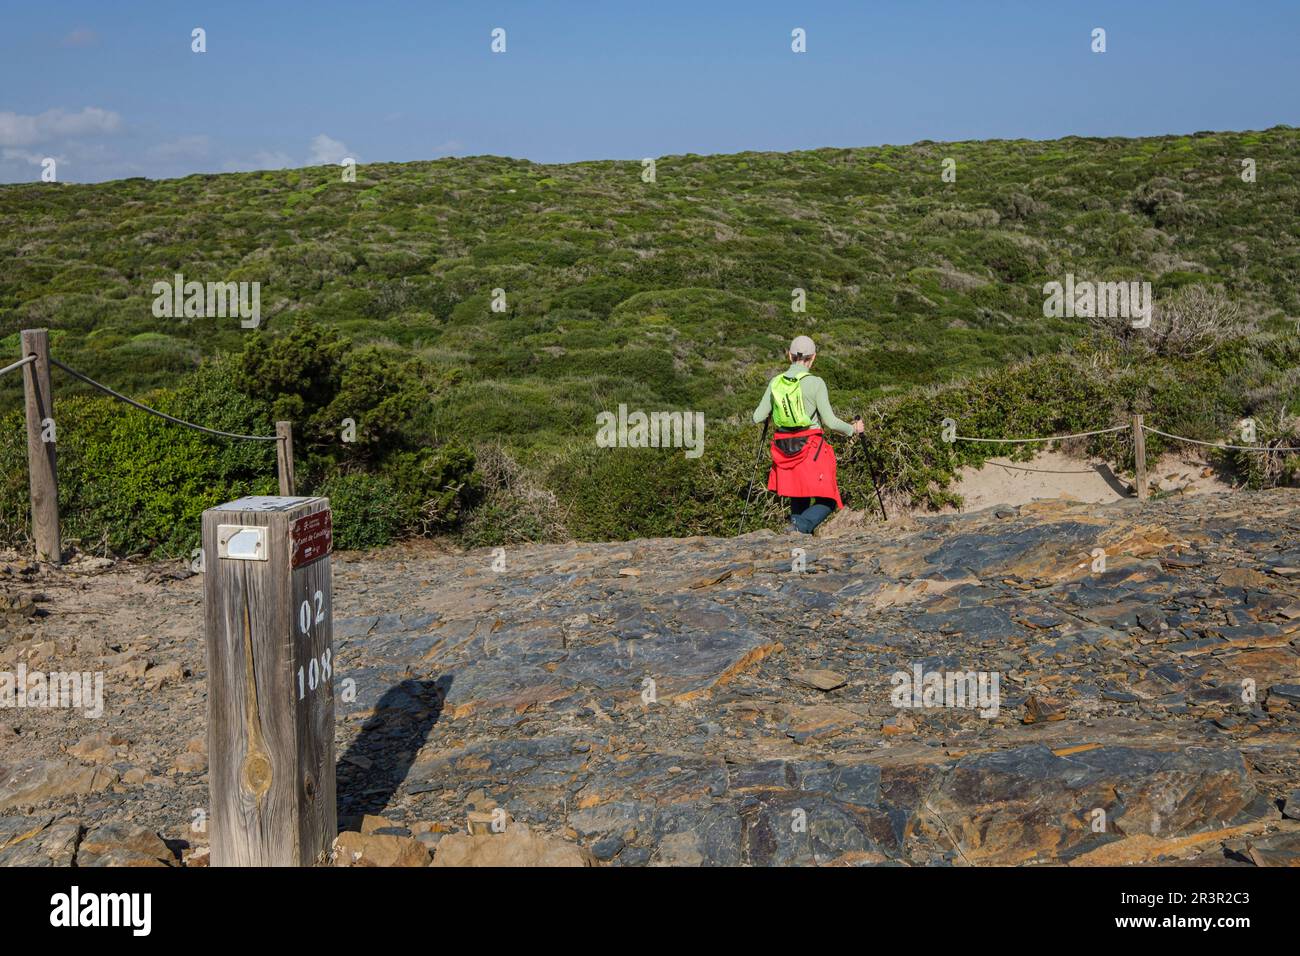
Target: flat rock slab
[
  {"x": 39, "y": 782},
  {"x": 682, "y": 665},
  {"x": 1057, "y": 806},
  {"x": 53, "y": 844},
  {"x": 123, "y": 844},
  {"x": 820, "y": 679},
  {"x": 726, "y": 702}
]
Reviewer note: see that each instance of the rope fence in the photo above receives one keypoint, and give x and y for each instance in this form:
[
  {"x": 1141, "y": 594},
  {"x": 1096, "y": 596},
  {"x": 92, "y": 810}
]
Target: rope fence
[
  {"x": 153, "y": 411},
  {"x": 1042, "y": 471},
  {"x": 39, "y": 407},
  {"x": 1211, "y": 444},
  {"x": 1120, "y": 428},
  {"x": 1028, "y": 441},
  {"x": 19, "y": 364},
  {"x": 1140, "y": 430}
]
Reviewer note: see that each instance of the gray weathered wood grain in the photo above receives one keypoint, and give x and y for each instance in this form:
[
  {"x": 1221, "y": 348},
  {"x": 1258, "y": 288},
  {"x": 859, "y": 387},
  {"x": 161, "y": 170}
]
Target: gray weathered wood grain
[
  {"x": 40, "y": 453},
  {"x": 270, "y": 746}
]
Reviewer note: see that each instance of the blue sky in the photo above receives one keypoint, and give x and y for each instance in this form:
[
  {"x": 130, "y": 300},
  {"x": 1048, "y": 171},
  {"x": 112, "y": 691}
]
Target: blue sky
[{"x": 113, "y": 89}]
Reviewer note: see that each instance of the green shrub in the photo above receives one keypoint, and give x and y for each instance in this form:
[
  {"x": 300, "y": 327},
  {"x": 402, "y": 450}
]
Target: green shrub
[
  {"x": 432, "y": 486},
  {"x": 365, "y": 510},
  {"x": 619, "y": 493},
  {"x": 926, "y": 301},
  {"x": 130, "y": 482}
]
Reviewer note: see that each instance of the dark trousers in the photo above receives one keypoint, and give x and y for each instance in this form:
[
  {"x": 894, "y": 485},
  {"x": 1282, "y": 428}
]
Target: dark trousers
[{"x": 808, "y": 513}]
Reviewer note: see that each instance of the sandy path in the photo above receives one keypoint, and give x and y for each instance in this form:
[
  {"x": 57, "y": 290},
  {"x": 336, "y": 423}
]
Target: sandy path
[{"x": 1057, "y": 475}]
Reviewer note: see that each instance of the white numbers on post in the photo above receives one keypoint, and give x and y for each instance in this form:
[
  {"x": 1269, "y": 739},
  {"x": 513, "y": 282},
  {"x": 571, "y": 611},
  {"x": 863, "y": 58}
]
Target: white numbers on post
[
  {"x": 319, "y": 670},
  {"x": 305, "y": 619}
]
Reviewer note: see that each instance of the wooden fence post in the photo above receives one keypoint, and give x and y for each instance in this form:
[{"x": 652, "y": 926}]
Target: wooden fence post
[
  {"x": 284, "y": 457},
  {"x": 1139, "y": 458},
  {"x": 269, "y": 633},
  {"x": 41, "y": 435}
]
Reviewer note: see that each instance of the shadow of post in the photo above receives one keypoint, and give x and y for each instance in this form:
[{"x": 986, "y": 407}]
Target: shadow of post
[
  {"x": 377, "y": 762},
  {"x": 1116, "y": 484}
]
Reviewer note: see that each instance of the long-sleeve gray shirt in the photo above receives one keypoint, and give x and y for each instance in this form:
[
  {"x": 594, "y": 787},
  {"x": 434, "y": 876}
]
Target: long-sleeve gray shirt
[{"x": 815, "y": 400}]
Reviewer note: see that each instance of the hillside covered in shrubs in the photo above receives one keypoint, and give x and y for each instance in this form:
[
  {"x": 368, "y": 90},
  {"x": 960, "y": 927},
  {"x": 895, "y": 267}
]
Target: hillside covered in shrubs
[{"x": 471, "y": 317}]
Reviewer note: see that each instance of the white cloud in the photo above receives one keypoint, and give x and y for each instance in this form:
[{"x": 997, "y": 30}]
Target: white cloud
[
  {"x": 78, "y": 161},
  {"x": 325, "y": 150},
  {"x": 25, "y": 156},
  {"x": 19, "y": 129}
]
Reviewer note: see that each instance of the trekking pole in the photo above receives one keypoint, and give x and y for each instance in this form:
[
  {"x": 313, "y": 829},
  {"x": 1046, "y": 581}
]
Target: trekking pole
[
  {"x": 872, "y": 471},
  {"x": 758, "y": 458}
]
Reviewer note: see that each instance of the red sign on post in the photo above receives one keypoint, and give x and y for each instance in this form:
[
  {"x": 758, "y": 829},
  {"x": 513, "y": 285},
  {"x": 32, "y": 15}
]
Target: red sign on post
[{"x": 311, "y": 537}]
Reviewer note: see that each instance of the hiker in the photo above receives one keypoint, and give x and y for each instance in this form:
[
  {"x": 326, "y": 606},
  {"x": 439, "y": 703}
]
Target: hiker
[{"x": 803, "y": 462}]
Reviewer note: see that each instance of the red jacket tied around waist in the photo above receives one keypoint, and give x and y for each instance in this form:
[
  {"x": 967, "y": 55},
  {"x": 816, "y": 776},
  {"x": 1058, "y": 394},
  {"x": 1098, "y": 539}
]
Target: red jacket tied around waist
[{"x": 809, "y": 471}]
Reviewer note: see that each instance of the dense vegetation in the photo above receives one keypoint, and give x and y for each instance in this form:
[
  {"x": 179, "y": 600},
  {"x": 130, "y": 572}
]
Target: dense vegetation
[{"x": 925, "y": 297}]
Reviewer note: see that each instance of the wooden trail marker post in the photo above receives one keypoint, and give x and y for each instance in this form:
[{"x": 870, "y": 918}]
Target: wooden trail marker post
[
  {"x": 41, "y": 433},
  {"x": 1139, "y": 458},
  {"x": 268, "y": 621},
  {"x": 284, "y": 457}
]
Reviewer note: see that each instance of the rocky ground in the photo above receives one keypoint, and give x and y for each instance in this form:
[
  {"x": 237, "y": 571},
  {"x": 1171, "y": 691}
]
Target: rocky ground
[{"x": 726, "y": 701}]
